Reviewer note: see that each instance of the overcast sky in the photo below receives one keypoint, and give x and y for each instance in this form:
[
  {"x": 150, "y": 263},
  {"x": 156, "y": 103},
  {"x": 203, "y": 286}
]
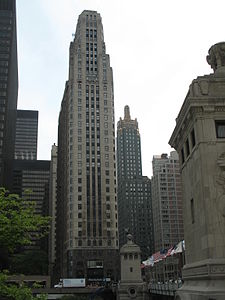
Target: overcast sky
[{"x": 156, "y": 49}]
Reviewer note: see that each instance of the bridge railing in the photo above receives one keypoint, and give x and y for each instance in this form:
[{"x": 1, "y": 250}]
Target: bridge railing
[{"x": 168, "y": 288}]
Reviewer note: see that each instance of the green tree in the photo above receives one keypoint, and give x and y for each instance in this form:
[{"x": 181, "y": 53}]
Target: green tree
[
  {"x": 13, "y": 292},
  {"x": 18, "y": 223}
]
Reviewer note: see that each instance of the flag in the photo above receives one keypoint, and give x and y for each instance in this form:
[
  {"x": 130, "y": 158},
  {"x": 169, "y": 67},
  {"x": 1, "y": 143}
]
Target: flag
[
  {"x": 178, "y": 248},
  {"x": 169, "y": 252},
  {"x": 160, "y": 255},
  {"x": 149, "y": 262}
]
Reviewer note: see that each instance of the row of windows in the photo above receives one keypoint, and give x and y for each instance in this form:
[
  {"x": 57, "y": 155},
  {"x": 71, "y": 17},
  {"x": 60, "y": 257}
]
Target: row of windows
[
  {"x": 4, "y": 63},
  {"x": 3, "y": 78},
  {"x": 5, "y": 27},
  {"x": 91, "y": 24},
  {"x": 94, "y": 243},
  {"x": 5, "y": 20},
  {"x": 91, "y": 33},
  {"x": 220, "y": 133},
  {"x": 3, "y": 70},
  {"x": 4, "y": 34}
]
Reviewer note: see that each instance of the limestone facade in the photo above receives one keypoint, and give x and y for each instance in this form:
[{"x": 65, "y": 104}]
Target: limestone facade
[
  {"x": 199, "y": 138},
  {"x": 131, "y": 285}
]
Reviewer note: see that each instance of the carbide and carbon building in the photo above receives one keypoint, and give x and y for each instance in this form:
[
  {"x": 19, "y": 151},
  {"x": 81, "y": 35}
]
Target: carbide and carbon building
[
  {"x": 134, "y": 190},
  {"x": 87, "y": 234}
]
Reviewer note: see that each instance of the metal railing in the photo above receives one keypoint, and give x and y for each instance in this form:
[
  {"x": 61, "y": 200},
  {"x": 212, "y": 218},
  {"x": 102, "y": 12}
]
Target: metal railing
[{"x": 168, "y": 288}]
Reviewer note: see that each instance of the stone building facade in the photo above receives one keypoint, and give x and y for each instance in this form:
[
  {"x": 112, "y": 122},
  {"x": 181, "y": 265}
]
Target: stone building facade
[
  {"x": 199, "y": 138},
  {"x": 87, "y": 227}
]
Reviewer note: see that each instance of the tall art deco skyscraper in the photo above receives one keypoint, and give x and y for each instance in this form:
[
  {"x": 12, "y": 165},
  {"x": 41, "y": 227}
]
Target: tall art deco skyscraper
[
  {"x": 87, "y": 236},
  {"x": 134, "y": 190}
]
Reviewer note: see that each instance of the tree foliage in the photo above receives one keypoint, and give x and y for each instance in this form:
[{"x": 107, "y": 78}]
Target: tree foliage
[
  {"x": 14, "y": 292},
  {"x": 18, "y": 221},
  {"x": 19, "y": 224}
]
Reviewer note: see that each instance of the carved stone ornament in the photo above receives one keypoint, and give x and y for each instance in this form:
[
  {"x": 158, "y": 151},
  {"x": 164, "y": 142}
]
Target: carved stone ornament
[
  {"x": 221, "y": 161},
  {"x": 129, "y": 239},
  {"x": 220, "y": 180},
  {"x": 216, "y": 57}
]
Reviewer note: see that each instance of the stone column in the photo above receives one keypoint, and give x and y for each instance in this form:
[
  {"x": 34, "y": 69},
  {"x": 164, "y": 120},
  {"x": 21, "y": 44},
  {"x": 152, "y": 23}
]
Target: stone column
[{"x": 199, "y": 138}]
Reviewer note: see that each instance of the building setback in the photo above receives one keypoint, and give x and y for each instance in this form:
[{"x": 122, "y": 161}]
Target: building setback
[
  {"x": 8, "y": 88},
  {"x": 26, "y": 134},
  {"x": 87, "y": 236},
  {"x": 134, "y": 190}
]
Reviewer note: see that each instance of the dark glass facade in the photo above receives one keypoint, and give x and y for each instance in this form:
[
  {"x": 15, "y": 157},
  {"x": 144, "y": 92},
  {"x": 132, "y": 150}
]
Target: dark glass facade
[
  {"x": 26, "y": 134},
  {"x": 33, "y": 176},
  {"x": 8, "y": 88},
  {"x": 134, "y": 190}
]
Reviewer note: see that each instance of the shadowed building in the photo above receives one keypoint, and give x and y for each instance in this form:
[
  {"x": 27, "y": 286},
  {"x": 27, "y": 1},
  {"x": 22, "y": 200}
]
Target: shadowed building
[
  {"x": 26, "y": 134},
  {"x": 32, "y": 176},
  {"x": 8, "y": 88},
  {"x": 134, "y": 190},
  {"x": 87, "y": 237},
  {"x": 52, "y": 211}
]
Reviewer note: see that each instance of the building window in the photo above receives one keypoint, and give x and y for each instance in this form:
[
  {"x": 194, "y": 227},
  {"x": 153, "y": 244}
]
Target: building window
[
  {"x": 192, "y": 212},
  {"x": 220, "y": 129},
  {"x": 193, "y": 138},
  {"x": 187, "y": 147},
  {"x": 182, "y": 155}
]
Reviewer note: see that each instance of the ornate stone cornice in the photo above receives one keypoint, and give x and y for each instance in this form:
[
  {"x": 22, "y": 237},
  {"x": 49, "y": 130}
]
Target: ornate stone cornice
[{"x": 207, "y": 270}]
